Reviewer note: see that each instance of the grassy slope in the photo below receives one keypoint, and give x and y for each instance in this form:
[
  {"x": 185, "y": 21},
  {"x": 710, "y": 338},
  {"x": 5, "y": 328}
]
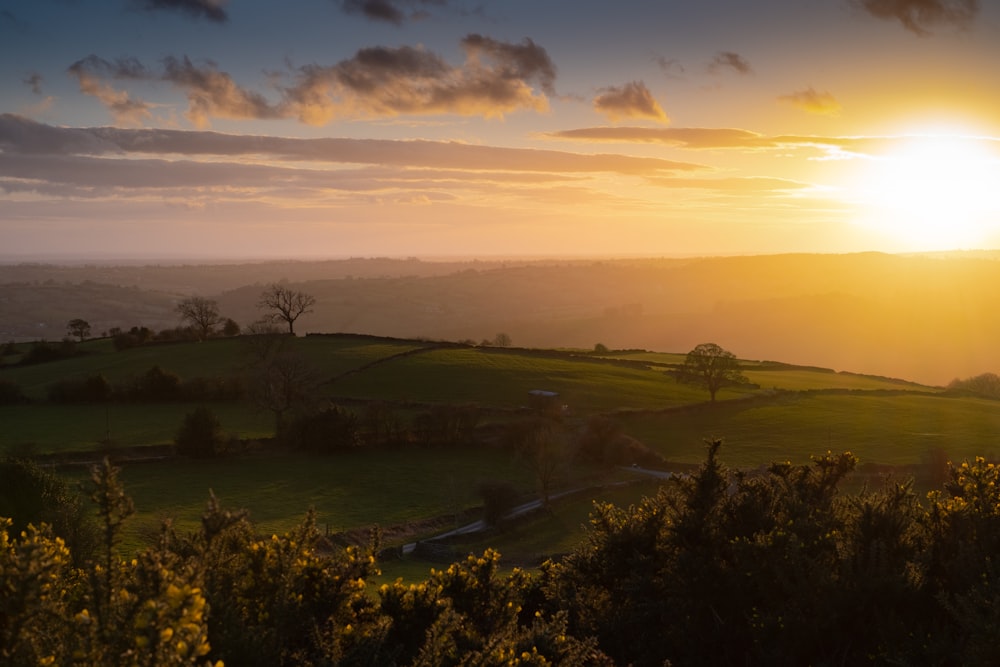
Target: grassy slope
[
  {"x": 879, "y": 428},
  {"x": 362, "y": 488},
  {"x": 347, "y": 491}
]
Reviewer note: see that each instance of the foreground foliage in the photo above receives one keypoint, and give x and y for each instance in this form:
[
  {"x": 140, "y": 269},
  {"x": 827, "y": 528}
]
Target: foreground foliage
[{"x": 721, "y": 567}]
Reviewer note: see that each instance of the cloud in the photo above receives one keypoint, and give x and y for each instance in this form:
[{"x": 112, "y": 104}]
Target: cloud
[
  {"x": 670, "y": 66},
  {"x": 125, "y": 109},
  {"x": 633, "y": 100},
  {"x": 390, "y": 11},
  {"x": 700, "y": 138},
  {"x": 683, "y": 137},
  {"x": 733, "y": 185},
  {"x": 724, "y": 60},
  {"x": 23, "y": 136},
  {"x": 812, "y": 101},
  {"x": 920, "y": 16},
  {"x": 212, "y": 10},
  {"x": 496, "y": 78},
  {"x": 34, "y": 80},
  {"x": 214, "y": 93}
]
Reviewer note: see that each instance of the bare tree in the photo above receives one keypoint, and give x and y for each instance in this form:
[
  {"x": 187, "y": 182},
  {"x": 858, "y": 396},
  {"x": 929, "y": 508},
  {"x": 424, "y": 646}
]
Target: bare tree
[
  {"x": 200, "y": 313},
  {"x": 288, "y": 304},
  {"x": 283, "y": 383},
  {"x": 710, "y": 367}
]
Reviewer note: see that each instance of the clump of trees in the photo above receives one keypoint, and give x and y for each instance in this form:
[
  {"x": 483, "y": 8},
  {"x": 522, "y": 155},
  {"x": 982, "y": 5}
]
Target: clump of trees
[
  {"x": 986, "y": 385},
  {"x": 154, "y": 385}
]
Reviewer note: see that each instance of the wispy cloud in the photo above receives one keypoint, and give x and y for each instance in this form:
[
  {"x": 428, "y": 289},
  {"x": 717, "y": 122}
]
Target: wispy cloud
[
  {"x": 212, "y": 10},
  {"x": 671, "y": 67},
  {"x": 922, "y": 16},
  {"x": 701, "y": 138},
  {"x": 34, "y": 81},
  {"x": 728, "y": 60},
  {"x": 632, "y": 100},
  {"x": 684, "y": 137},
  {"x": 813, "y": 101}
]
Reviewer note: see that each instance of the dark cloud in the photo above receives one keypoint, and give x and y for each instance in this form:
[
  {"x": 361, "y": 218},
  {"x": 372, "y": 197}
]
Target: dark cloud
[
  {"x": 20, "y": 135},
  {"x": 633, "y": 100},
  {"x": 496, "y": 78},
  {"x": 812, "y": 101},
  {"x": 212, "y": 10},
  {"x": 727, "y": 60},
  {"x": 920, "y": 16},
  {"x": 390, "y": 11},
  {"x": 23, "y": 136},
  {"x": 214, "y": 93},
  {"x": 34, "y": 80}
]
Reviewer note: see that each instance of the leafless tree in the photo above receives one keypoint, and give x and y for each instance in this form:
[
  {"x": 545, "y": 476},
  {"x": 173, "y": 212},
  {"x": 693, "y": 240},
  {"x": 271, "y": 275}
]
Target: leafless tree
[
  {"x": 283, "y": 383},
  {"x": 287, "y": 304},
  {"x": 200, "y": 313}
]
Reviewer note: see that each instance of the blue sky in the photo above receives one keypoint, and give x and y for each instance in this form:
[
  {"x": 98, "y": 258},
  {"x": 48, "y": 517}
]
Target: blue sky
[{"x": 324, "y": 128}]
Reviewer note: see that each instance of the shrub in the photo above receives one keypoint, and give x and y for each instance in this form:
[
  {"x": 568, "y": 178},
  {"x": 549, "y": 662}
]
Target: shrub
[
  {"x": 200, "y": 434},
  {"x": 42, "y": 352},
  {"x": 33, "y": 495},
  {"x": 92, "y": 389},
  {"x": 322, "y": 432}
]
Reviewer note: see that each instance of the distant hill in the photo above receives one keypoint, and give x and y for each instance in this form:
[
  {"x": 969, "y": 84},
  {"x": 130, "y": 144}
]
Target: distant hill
[{"x": 929, "y": 318}]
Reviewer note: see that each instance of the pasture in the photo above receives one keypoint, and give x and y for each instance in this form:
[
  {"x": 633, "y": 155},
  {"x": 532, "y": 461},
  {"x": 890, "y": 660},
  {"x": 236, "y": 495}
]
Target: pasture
[{"x": 786, "y": 413}]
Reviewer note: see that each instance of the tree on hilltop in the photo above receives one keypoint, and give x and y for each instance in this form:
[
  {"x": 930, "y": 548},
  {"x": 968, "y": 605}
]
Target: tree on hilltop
[
  {"x": 200, "y": 313},
  {"x": 710, "y": 367},
  {"x": 79, "y": 328},
  {"x": 287, "y": 304}
]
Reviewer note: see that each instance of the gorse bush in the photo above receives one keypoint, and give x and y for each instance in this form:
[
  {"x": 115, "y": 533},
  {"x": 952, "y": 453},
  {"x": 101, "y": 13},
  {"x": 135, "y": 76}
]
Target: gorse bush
[{"x": 720, "y": 567}]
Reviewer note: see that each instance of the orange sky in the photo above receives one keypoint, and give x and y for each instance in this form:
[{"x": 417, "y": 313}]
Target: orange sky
[{"x": 208, "y": 129}]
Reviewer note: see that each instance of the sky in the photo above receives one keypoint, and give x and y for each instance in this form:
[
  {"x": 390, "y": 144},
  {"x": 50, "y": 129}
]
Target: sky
[{"x": 251, "y": 129}]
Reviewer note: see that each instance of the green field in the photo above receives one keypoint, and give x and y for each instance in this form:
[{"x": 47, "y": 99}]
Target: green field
[
  {"x": 880, "y": 428},
  {"x": 348, "y": 492},
  {"x": 787, "y": 413}
]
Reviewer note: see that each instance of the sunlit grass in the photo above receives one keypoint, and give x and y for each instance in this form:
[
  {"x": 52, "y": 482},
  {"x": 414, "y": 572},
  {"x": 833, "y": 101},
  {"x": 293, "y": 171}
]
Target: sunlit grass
[{"x": 878, "y": 428}]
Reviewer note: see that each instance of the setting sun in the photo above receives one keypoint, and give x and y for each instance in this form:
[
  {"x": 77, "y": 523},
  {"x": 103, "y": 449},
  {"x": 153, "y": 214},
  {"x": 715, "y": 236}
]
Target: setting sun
[{"x": 932, "y": 192}]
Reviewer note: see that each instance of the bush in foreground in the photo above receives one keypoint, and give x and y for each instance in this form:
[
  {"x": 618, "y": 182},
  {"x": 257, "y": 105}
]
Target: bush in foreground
[{"x": 720, "y": 567}]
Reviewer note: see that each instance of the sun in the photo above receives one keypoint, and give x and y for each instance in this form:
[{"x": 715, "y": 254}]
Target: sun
[{"x": 932, "y": 192}]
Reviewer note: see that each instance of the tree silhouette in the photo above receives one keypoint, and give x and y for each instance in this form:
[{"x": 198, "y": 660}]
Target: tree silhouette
[
  {"x": 201, "y": 313},
  {"x": 288, "y": 304},
  {"x": 79, "y": 328},
  {"x": 710, "y": 367}
]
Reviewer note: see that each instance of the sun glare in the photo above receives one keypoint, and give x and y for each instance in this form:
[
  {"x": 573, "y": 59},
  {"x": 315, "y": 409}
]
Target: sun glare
[{"x": 934, "y": 192}]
